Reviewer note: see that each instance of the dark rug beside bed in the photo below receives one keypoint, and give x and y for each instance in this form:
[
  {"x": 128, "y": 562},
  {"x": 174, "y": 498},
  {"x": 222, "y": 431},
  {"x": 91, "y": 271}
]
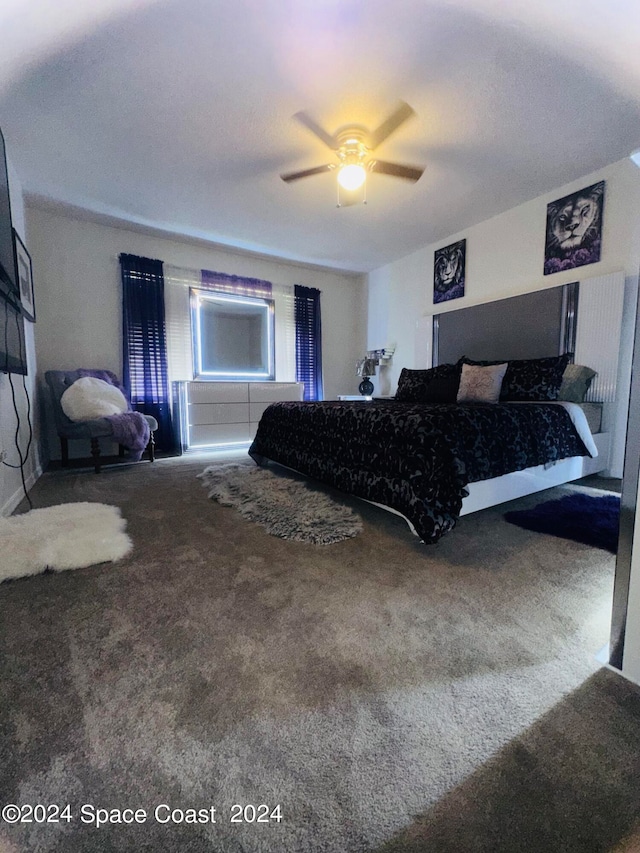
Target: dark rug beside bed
[{"x": 590, "y": 519}]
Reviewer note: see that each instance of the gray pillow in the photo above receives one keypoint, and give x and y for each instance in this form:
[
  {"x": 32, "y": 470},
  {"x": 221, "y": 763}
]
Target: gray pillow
[
  {"x": 481, "y": 384},
  {"x": 576, "y": 380}
]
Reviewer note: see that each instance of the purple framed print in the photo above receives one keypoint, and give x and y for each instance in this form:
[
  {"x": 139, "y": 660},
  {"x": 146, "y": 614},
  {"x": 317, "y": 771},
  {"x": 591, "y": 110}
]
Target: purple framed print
[
  {"x": 449, "y": 271},
  {"x": 574, "y": 230}
]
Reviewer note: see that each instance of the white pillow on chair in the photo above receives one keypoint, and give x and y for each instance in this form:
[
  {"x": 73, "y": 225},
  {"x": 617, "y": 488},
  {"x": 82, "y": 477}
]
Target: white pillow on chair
[{"x": 90, "y": 398}]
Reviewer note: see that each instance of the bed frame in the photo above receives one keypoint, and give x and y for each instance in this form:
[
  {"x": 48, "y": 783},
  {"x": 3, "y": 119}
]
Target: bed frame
[{"x": 486, "y": 493}]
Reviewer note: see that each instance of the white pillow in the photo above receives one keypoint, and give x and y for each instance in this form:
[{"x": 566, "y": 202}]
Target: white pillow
[
  {"x": 480, "y": 384},
  {"x": 90, "y": 398}
]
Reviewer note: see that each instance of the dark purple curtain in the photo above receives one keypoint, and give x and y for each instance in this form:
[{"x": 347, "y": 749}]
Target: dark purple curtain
[
  {"x": 308, "y": 341},
  {"x": 144, "y": 360}
]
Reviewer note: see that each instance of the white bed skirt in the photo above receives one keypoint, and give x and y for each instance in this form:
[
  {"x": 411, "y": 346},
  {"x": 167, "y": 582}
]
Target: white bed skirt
[{"x": 486, "y": 493}]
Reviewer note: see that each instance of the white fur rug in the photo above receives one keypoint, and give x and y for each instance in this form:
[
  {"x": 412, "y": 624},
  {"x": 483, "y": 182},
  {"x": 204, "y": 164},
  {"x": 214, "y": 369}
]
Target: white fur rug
[{"x": 67, "y": 536}]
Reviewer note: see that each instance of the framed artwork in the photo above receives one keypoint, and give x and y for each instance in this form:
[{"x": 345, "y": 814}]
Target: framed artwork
[
  {"x": 574, "y": 230},
  {"x": 449, "y": 271},
  {"x": 25, "y": 278}
]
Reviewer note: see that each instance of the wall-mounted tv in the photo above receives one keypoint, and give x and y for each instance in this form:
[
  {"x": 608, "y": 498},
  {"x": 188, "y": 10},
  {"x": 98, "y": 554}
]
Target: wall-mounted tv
[
  {"x": 8, "y": 277},
  {"x": 13, "y": 356}
]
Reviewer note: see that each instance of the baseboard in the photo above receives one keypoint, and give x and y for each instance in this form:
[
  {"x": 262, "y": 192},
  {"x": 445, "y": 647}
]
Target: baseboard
[
  {"x": 80, "y": 463},
  {"x": 622, "y": 673},
  {"x": 10, "y": 504}
]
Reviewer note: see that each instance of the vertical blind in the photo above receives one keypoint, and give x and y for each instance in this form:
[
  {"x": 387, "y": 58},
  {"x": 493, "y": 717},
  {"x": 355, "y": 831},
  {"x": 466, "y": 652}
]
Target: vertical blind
[
  {"x": 308, "y": 341},
  {"x": 144, "y": 361}
]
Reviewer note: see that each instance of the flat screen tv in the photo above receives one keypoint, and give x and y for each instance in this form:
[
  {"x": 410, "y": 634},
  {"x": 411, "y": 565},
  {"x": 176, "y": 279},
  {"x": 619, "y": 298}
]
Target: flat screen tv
[
  {"x": 8, "y": 277},
  {"x": 13, "y": 357}
]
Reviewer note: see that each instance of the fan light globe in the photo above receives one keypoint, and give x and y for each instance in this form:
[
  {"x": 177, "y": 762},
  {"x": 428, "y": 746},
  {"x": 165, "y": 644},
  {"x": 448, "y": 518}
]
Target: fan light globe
[{"x": 352, "y": 177}]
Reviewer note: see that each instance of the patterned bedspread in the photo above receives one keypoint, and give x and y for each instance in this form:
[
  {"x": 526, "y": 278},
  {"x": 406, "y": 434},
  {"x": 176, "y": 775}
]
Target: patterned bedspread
[{"x": 415, "y": 458}]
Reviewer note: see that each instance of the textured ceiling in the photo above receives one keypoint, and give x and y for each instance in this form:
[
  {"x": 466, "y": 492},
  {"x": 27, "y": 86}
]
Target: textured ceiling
[{"x": 179, "y": 115}]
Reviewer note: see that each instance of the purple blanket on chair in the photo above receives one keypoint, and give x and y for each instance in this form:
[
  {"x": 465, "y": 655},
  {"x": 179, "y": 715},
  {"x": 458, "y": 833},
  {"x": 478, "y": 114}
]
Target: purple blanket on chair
[{"x": 131, "y": 430}]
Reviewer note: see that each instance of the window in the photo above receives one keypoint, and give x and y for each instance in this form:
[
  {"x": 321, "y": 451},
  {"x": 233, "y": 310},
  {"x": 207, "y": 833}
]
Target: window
[{"x": 233, "y": 336}]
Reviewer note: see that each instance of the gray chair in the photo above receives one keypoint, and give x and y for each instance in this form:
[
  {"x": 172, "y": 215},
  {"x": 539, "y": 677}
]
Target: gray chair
[{"x": 58, "y": 382}]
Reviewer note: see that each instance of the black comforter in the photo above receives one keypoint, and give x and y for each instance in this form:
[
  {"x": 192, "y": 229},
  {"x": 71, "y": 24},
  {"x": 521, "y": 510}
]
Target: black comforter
[{"x": 415, "y": 458}]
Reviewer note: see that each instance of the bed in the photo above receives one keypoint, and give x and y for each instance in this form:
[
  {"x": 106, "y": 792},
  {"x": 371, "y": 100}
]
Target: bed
[
  {"x": 418, "y": 459},
  {"x": 443, "y": 448}
]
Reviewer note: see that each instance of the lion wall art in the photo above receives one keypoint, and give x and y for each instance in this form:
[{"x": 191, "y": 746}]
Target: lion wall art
[
  {"x": 448, "y": 272},
  {"x": 574, "y": 230}
]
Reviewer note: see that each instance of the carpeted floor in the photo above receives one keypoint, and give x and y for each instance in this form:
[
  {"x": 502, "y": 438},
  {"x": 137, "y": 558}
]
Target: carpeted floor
[{"x": 389, "y": 696}]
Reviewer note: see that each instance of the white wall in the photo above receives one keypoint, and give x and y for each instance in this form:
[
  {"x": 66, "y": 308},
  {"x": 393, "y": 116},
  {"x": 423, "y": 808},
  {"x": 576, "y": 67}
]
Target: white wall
[
  {"x": 11, "y": 491},
  {"x": 504, "y": 257},
  {"x": 79, "y": 294}
]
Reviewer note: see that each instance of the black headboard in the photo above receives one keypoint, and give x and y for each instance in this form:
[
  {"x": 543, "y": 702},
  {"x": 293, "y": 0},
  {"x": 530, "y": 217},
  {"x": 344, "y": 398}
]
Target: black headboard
[{"x": 533, "y": 325}]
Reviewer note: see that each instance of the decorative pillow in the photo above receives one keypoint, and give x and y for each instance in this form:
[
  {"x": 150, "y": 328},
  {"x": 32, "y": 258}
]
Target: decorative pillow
[
  {"x": 436, "y": 385},
  {"x": 90, "y": 398},
  {"x": 481, "y": 384},
  {"x": 533, "y": 379},
  {"x": 576, "y": 380}
]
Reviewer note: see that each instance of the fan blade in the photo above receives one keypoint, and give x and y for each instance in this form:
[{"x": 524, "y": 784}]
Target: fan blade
[
  {"x": 317, "y": 170},
  {"x": 387, "y": 127},
  {"x": 318, "y": 131},
  {"x": 397, "y": 170}
]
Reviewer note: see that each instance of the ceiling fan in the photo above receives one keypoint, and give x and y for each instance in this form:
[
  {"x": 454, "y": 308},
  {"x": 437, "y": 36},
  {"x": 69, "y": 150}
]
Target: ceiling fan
[{"x": 353, "y": 146}]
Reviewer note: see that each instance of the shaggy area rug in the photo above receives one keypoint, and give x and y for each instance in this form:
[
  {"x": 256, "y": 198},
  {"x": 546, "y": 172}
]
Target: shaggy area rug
[
  {"x": 592, "y": 520},
  {"x": 68, "y": 536},
  {"x": 284, "y": 506}
]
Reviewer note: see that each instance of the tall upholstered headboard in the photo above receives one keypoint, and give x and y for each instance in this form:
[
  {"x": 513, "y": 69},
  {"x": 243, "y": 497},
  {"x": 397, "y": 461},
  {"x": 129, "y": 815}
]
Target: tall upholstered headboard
[
  {"x": 533, "y": 325},
  {"x": 584, "y": 318}
]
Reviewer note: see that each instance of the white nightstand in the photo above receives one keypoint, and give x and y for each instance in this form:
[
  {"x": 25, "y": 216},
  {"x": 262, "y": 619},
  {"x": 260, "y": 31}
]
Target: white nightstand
[{"x": 358, "y": 398}]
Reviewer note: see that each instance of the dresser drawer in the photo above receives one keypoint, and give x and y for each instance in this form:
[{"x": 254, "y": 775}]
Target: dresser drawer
[
  {"x": 205, "y": 435},
  {"x": 256, "y": 410},
  {"x": 272, "y": 392},
  {"x": 218, "y": 392},
  {"x": 218, "y": 413}
]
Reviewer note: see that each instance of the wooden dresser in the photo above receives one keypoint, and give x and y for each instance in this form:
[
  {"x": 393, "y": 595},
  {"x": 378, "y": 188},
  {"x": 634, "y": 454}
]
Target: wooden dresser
[{"x": 215, "y": 414}]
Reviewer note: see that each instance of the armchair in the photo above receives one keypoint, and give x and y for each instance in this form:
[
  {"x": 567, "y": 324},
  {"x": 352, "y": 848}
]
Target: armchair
[{"x": 58, "y": 382}]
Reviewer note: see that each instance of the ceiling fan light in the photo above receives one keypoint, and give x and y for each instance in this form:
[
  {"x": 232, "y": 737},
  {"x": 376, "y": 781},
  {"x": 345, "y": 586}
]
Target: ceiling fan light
[{"x": 352, "y": 176}]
